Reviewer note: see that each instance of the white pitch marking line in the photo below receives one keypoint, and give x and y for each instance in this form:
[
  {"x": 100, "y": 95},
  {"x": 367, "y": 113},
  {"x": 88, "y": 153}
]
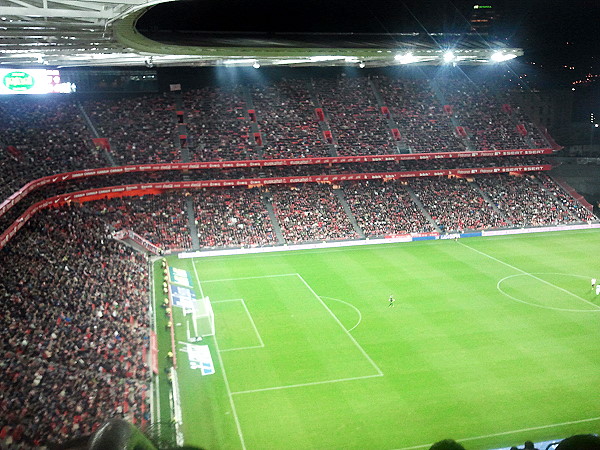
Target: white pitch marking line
[
  {"x": 531, "y": 275},
  {"x": 351, "y": 306},
  {"x": 542, "y": 306},
  {"x": 262, "y": 344},
  {"x": 289, "y": 386},
  {"x": 227, "y": 386},
  {"x": 250, "y": 278},
  {"x": 504, "y": 433},
  {"x": 362, "y": 350},
  {"x": 226, "y": 301},
  {"x": 241, "y": 348}
]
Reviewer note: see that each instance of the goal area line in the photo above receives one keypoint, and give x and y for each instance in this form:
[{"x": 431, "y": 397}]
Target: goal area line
[{"x": 378, "y": 372}]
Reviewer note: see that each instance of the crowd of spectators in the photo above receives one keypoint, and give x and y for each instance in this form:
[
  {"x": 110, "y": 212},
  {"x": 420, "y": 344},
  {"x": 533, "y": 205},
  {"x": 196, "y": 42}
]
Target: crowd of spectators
[
  {"x": 140, "y": 129},
  {"x": 232, "y": 217},
  {"x": 533, "y": 209},
  {"x": 40, "y": 137},
  {"x": 74, "y": 330},
  {"x": 384, "y": 208},
  {"x": 160, "y": 218},
  {"x": 455, "y": 204},
  {"x": 358, "y": 126},
  {"x": 218, "y": 124},
  {"x": 525, "y": 201},
  {"x": 488, "y": 124},
  {"x": 310, "y": 213},
  {"x": 576, "y": 209},
  {"x": 287, "y": 121},
  {"x": 423, "y": 124}
]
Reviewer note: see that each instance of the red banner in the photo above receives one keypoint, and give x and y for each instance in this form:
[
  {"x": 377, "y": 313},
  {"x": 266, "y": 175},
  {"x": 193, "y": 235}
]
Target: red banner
[
  {"x": 67, "y": 176},
  {"x": 153, "y": 352},
  {"x": 154, "y": 188}
]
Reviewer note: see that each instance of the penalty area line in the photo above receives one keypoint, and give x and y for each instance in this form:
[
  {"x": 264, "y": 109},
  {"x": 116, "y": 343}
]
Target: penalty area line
[{"x": 314, "y": 383}]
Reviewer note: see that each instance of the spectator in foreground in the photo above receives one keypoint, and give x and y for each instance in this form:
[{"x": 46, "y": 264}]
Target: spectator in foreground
[{"x": 447, "y": 444}]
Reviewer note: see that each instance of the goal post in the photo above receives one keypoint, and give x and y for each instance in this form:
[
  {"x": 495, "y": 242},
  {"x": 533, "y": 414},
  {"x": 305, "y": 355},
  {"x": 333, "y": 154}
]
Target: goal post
[{"x": 203, "y": 317}]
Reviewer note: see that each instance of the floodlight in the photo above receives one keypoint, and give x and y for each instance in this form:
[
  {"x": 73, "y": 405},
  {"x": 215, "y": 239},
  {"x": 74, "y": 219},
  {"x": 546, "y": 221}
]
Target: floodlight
[
  {"x": 448, "y": 56},
  {"x": 501, "y": 56},
  {"x": 405, "y": 58}
]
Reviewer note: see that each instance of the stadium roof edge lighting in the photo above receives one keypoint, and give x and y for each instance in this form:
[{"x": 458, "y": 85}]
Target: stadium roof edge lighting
[{"x": 103, "y": 33}]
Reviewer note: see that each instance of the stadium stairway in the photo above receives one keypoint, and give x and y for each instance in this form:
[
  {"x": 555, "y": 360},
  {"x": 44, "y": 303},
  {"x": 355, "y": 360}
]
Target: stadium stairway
[
  {"x": 342, "y": 199},
  {"x": 415, "y": 199},
  {"x": 191, "y": 214},
  {"x": 276, "y": 228},
  {"x": 323, "y": 125},
  {"x": 184, "y": 150},
  {"x": 391, "y": 123},
  {"x": 455, "y": 123},
  {"x": 490, "y": 202},
  {"x": 107, "y": 156},
  {"x": 254, "y": 128}
]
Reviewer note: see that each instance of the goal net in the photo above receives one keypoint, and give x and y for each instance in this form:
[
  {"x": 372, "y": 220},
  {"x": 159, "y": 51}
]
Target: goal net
[{"x": 203, "y": 318}]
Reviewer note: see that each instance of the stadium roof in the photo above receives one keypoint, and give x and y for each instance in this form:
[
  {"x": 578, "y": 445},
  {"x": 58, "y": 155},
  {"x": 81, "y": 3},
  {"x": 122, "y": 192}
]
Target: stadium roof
[{"x": 70, "y": 33}]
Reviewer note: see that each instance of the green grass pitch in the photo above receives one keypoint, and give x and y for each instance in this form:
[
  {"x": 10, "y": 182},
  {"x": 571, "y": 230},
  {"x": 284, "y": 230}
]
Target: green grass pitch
[{"x": 491, "y": 341}]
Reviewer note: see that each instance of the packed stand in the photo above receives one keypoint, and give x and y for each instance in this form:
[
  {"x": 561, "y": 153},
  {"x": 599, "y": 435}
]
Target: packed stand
[
  {"x": 357, "y": 124},
  {"x": 384, "y": 208},
  {"x": 74, "y": 330},
  {"x": 141, "y": 129},
  {"x": 578, "y": 212},
  {"x": 79, "y": 184},
  {"x": 523, "y": 201},
  {"x": 287, "y": 121},
  {"x": 40, "y": 137},
  {"x": 456, "y": 205},
  {"x": 309, "y": 213},
  {"x": 233, "y": 217},
  {"x": 423, "y": 124},
  {"x": 534, "y": 133},
  {"x": 487, "y": 124},
  {"x": 218, "y": 125},
  {"x": 160, "y": 218}
]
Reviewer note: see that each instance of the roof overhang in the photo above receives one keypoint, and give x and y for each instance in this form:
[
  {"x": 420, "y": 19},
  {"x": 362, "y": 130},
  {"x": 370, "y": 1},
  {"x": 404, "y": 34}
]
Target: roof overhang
[{"x": 72, "y": 33}]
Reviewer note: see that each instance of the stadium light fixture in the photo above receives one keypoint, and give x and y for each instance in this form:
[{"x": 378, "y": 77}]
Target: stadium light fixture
[
  {"x": 405, "y": 58},
  {"x": 448, "y": 57},
  {"x": 239, "y": 61},
  {"x": 501, "y": 56}
]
